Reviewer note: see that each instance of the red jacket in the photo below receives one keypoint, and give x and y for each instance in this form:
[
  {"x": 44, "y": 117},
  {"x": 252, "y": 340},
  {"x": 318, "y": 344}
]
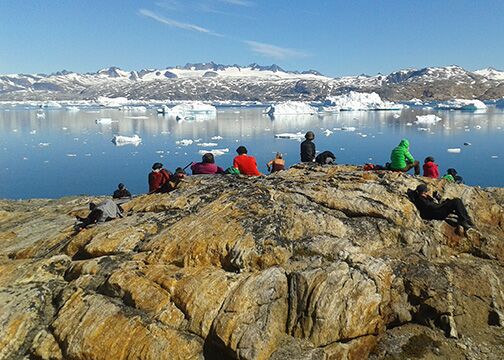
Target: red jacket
[
  {"x": 431, "y": 170},
  {"x": 158, "y": 179},
  {"x": 246, "y": 164}
]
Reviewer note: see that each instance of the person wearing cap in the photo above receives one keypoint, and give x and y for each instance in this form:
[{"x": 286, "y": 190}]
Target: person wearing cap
[
  {"x": 431, "y": 209},
  {"x": 430, "y": 168},
  {"x": 121, "y": 192},
  {"x": 308, "y": 148},
  {"x": 245, "y": 163},
  {"x": 206, "y": 166},
  {"x": 158, "y": 177},
  {"x": 402, "y": 160},
  {"x": 277, "y": 164},
  {"x": 452, "y": 176}
]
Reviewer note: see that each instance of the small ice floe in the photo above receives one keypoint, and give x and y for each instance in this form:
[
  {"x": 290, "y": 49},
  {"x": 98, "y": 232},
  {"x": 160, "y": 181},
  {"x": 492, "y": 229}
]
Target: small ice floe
[
  {"x": 467, "y": 144},
  {"x": 197, "y": 140},
  {"x": 494, "y": 157},
  {"x": 477, "y": 127},
  {"x": 348, "y": 128},
  {"x": 218, "y": 137},
  {"x": 40, "y": 115},
  {"x": 409, "y": 124},
  {"x": 14, "y": 130},
  {"x": 423, "y": 129},
  {"x": 164, "y": 132},
  {"x": 42, "y": 144},
  {"x": 72, "y": 108},
  {"x": 111, "y": 102},
  {"x": 209, "y": 144},
  {"x": 454, "y": 150},
  {"x": 120, "y": 140},
  {"x": 71, "y": 155},
  {"x": 160, "y": 152},
  {"x": 25, "y": 158},
  {"x": 104, "y": 121},
  {"x": 363, "y": 135},
  {"x": 215, "y": 152},
  {"x": 33, "y": 132},
  {"x": 267, "y": 129},
  {"x": 134, "y": 108},
  {"x": 327, "y": 132},
  {"x": 427, "y": 119},
  {"x": 296, "y": 136},
  {"x": 184, "y": 142},
  {"x": 76, "y": 139},
  {"x": 396, "y": 116},
  {"x": 51, "y": 105}
]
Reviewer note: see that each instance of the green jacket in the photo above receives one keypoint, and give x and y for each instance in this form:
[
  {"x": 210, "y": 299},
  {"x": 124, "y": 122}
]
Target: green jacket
[
  {"x": 400, "y": 156},
  {"x": 449, "y": 178}
]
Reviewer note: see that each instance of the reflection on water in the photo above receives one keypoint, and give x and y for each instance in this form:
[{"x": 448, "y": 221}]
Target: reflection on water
[{"x": 66, "y": 152}]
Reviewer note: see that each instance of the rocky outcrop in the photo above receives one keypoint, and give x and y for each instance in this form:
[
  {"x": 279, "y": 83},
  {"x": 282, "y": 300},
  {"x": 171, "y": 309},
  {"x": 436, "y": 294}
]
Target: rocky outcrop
[{"x": 310, "y": 263}]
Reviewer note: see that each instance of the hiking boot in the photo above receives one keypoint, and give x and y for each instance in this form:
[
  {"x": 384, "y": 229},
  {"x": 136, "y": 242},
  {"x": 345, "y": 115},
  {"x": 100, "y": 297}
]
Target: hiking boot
[{"x": 465, "y": 224}]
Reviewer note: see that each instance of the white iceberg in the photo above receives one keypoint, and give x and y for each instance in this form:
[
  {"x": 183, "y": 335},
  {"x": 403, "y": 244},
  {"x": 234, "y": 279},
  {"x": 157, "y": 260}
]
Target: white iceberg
[
  {"x": 327, "y": 132},
  {"x": 184, "y": 142},
  {"x": 72, "y": 108},
  {"x": 454, "y": 150},
  {"x": 215, "y": 152},
  {"x": 209, "y": 144},
  {"x": 427, "y": 119},
  {"x": 194, "y": 110},
  {"x": 296, "y": 136},
  {"x": 357, "y": 101},
  {"x": 40, "y": 115},
  {"x": 120, "y": 140},
  {"x": 51, "y": 105},
  {"x": 218, "y": 137},
  {"x": 290, "y": 108},
  {"x": 111, "y": 102},
  {"x": 104, "y": 121},
  {"x": 462, "y": 104},
  {"x": 134, "y": 108}
]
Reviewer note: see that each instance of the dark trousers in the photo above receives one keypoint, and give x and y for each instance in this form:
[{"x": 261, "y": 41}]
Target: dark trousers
[
  {"x": 410, "y": 166},
  {"x": 451, "y": 206}
]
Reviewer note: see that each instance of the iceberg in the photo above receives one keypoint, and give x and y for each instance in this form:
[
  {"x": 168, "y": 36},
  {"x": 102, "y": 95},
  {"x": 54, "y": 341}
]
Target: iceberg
[
  {"x": 111, "y": 102},
  {"x": 51, "y": 105},
  {"x": 427, "y": 119},
  {"x": 72, "y": 108},
  {"x": 462, "y": 104},
  {"x": 104, "y": 121},
  {"x": 134, "y": 108},
  {"x": 40, "y": 115},
  {"x": 194, "y": 110},
  {"x": 217, "y": 137},
  {"x": 184, "y": 142},
  {"x": 215, "y": 152},
  {"x": 296, "y": 136},
  {"x": 209, "y": 144},
  {"x": 290, "y": 108},
  {"x": 454, "y": 150},
  {"x": 357, "y": 101},
  {"x": 119, "y": 140}
]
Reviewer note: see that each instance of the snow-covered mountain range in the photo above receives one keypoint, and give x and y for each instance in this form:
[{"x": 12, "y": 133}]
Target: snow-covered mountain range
[{"x": 217, "y": 82}]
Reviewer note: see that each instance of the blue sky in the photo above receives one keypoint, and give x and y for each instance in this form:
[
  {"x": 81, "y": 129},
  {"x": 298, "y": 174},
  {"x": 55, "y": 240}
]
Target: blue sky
[{"x": 335, "y": 37}]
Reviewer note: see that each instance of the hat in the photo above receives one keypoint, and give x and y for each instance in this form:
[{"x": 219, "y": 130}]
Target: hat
[
  {"x": 120, "y": 186},
  {"x": 309, "y": 135},
  {"x": 422, "y": 188},
  {"x": 156, "y": 166},
  {"x": 452, "y": 171}
]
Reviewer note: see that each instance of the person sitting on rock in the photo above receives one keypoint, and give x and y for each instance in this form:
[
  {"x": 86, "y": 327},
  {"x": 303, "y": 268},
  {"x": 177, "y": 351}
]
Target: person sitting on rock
[
  {"x": 308, "y": 148},
  {"x": 246, "y": 164},
  {"x": 121, "y": 192},
  {"x": 206, "y": 166},
  {"x": 277, "y": 164},
  {"x": 402, "y": 160},
  {"x": 432, "y": 209},
  {"x": 452, "y": 176},
  {"x": 157, "y": 178},
  {"x": 104, "y": 211},
  {"x": 430, "y": 168}
]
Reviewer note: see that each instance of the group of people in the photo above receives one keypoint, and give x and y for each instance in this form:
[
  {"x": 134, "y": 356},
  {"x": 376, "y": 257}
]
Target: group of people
[{"x": 161, "y": 180}]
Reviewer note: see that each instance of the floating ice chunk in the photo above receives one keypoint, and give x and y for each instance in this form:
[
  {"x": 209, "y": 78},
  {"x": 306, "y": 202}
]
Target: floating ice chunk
[
  {"x": 396, "y": 116},
  {"x": 477, "y": 127},
  {"x": 427, "y": 119},
  {"x": 409, "y": 124},
  {"x": 423, "y": 129},
  {"x": 348, "y": 128},
  {"x": 52, "y": 105},
  {"x": 209, "y": 144},
  {"x": 71, "y": 155},
  {"x": 72, "y": 108},
  {"x": 327, "y": 132},
  {"x": 494, "y": 157},
  {"x": 134, "y": 108},
  {"x": 454, "y": 150},
  {"x": 194, "y": 110},
  {"x": 363, "y": 135},
  {"x": 296, "y": 136},
  {"x": 40, "y": 115},
  {"x": 357, "y": 101},
  {"x": 120, "y": 140},
  {"x": 25, "y": 158},
  {"x": 184, "y": 142},
  {"x": 290, "y": 108},
  {"x": 215, "y": 152},
  {"x": 462, "y": 104},
  {"x": 105, "y": 121},
  {"x": 111, "y": 102},
  {"x": 467, "y": 144},
  {"x": 218, "y": 137},
  {"x": 159, "y": 152},
  {"x": 33, "y": 132}
]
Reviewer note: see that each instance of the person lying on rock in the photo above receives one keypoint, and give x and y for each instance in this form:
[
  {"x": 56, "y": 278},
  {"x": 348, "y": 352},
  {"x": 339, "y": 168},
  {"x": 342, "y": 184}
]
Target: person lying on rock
[
  {"x": 104, "y": 211},
  {"x": 402, "y": 160},
  {"x": 431, "y": 208}
]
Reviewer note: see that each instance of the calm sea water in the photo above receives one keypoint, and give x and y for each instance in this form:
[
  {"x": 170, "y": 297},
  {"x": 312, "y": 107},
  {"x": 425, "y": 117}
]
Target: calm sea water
[{"x": 67, "y": 153}]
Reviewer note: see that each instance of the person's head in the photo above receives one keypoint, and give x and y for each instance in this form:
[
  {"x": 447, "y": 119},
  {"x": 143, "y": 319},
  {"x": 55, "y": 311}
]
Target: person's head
[
  {"x": 429, "y": 159},
  {"x": 452, "y": 172},
  {"x": 120, "y": 186},
  {"x": 279, "y": 155},
  {"x": 180, "y": 171},
  {"x": 208, "y": 158},
  {"x": 309, "y": 135},
  {"x": 404, "y": 143},
  {"x": 157, "y": 166},
  {"x": 241, "y": 150},
  {"x": 422, "y": 189},
  {"x": 92, "y": 206}
]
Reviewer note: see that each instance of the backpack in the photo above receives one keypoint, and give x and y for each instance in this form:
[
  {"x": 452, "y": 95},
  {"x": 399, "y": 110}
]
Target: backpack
[
  {"x": 325, "y": 157},
  {"x": 232, "y": 171}
]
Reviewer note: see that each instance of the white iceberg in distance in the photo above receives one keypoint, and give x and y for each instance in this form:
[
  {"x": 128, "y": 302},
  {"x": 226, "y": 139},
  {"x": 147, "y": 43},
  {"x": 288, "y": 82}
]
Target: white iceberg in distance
[
  {"x": 215, "y": 152},
  {"x": 296, "y": 136},
  {"x": 193, "y": 110},
  {"x": 462, "y": 104},
  {"x": 209, "y": 144},
  {"x": 119, "y": 140},
  {"x": 357, "y": 101},
  {"x": 51, "y": 105},
  {"x": 454, "y": 150},
  {"x": 290, "y": 108},
  {"x": 427, "y": 119},
  {"x": 72, "y": 108},
  {"x": 184, "y": 142},
  {"x": 111, "y": 102},
  {"x": 134, "y": 108},
  {"x": 105, "y": 121}
]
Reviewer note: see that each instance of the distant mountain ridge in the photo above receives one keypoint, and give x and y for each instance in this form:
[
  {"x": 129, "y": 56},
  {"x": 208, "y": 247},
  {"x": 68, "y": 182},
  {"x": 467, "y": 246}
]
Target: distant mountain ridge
[{"x": 218, "y": 82}]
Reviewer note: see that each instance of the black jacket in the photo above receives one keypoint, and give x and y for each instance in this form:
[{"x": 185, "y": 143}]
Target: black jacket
[{"x": 307, "y": 151}]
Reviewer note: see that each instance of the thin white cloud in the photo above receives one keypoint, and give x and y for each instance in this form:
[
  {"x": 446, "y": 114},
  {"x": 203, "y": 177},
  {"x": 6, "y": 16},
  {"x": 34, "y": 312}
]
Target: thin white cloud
[
  {"x": 175, "y": 23},
  {"x": 238, "y": 2},
  {"x": 273, "y": 51}
]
